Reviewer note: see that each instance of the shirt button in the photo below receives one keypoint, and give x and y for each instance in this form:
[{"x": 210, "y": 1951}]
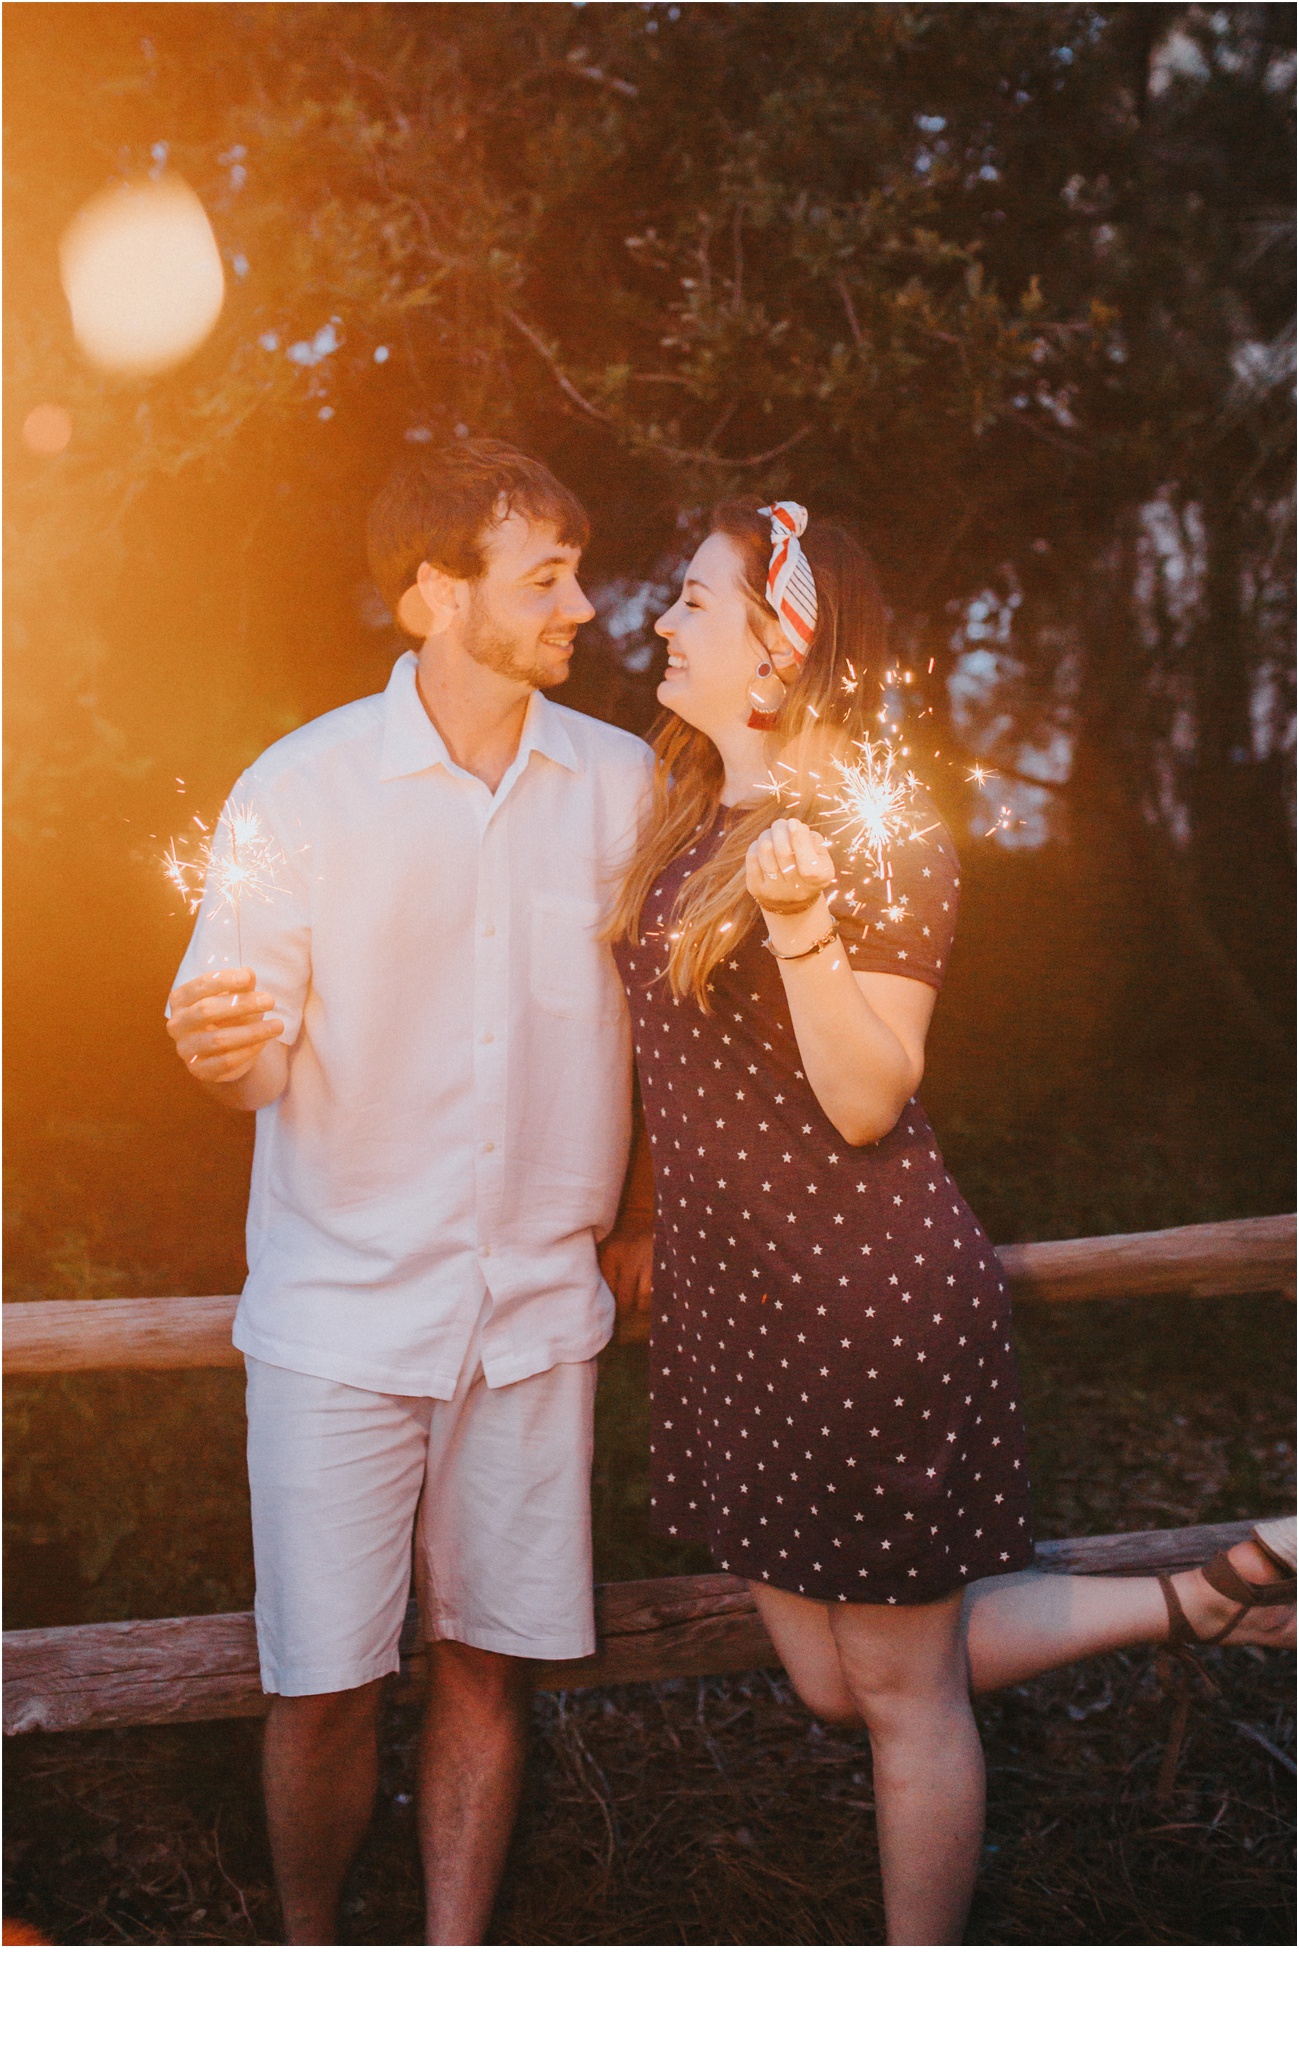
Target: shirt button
[
  {"x": 487, "y": 1038},
  {"x": 489, "y": 1147},
  {"x": 486, "y": 1251},
  {"x": 489, "y": 931}
]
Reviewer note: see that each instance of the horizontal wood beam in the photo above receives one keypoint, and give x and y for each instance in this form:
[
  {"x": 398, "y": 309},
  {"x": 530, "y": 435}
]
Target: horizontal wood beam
[
  {"x": 1249, "y": 1255},
  {"x": 168, "y": 1333},
  {"x": 203, "y": 1667},
  {"x": 1252, "y": 1255}
]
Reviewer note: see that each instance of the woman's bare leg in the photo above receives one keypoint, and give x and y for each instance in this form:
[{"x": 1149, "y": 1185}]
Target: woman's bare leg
[
  {"x": 1031, "y": 1622},
  {"x": 1028, "y": 1623},
  {"x": 900, "y": 1672},
  {"x": 904, "y": 1668},
  {"x": 800, "y": 1631},
  {"x": 884, "y": 1668}
]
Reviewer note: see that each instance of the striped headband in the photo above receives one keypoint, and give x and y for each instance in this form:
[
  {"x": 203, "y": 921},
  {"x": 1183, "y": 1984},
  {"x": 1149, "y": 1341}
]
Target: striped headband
[{"x": 791, "y": 587}]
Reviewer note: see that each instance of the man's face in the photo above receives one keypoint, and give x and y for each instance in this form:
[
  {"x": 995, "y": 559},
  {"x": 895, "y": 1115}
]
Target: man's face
[{"x": 526, "y": 608}]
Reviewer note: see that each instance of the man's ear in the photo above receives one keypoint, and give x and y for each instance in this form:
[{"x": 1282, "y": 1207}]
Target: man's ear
[
  {"x": 413, "y": 615},
  {"x": 429, "y": 606}
]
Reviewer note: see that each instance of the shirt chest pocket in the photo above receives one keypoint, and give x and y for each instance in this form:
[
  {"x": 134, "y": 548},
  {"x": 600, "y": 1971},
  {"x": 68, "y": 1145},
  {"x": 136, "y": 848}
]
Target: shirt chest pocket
[{"x": 571, "y": 972}]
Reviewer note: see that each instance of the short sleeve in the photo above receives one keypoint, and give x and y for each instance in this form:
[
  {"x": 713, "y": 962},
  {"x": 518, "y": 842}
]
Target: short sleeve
[
  {"x": 897, "y": 915},
  {"x": 268, "y": 925}
]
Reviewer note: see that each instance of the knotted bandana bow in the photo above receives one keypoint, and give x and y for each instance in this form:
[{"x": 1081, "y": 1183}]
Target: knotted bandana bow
[{"x": 791, "y": 587}]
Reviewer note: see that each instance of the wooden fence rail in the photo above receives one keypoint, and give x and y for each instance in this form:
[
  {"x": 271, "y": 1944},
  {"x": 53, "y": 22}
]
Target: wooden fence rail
[
  {"x": 203, "y": 1667},
  {"x": 1252, "y": 1255}
]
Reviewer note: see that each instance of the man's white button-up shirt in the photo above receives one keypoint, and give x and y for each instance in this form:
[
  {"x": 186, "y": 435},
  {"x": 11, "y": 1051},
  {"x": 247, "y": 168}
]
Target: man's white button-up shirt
[{"x": 452, "y": 1141}]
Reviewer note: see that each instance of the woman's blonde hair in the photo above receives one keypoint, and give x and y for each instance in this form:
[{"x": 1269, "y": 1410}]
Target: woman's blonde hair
[{"x": 827, "y": 705}]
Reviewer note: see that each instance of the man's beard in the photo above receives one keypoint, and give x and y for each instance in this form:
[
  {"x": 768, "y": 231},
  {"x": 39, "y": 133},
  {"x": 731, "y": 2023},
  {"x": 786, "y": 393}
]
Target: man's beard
[{"x": 491, "y": 645}]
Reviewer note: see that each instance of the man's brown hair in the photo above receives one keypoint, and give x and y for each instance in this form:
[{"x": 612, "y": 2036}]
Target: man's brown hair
[{"x": 439, "y": 507}]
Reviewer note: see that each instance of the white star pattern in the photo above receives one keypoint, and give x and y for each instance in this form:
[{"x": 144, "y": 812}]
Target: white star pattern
[{"x": 863, "y": 1468}]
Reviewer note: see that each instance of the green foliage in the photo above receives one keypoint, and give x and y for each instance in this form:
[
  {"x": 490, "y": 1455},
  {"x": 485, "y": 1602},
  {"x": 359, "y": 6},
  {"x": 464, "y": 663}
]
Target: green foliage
[{"x": 1012, "y": 286}]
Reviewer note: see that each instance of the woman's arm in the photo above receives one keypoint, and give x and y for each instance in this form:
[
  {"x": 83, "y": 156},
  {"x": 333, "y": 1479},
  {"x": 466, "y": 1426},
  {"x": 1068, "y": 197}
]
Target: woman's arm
[
  {"x": 861, "y": 1036},
  {"x": 627, "y": 1254}
]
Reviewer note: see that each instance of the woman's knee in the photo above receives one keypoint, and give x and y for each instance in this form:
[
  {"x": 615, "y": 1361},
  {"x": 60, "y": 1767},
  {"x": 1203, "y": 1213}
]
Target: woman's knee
[
  {"x": 889, "y": 1688},
  {"x": 825, "y": 1695},
  {"x": 910, "y": 1707}
]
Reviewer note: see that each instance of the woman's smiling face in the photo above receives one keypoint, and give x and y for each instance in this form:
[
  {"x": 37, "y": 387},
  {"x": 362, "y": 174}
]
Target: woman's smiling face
[{"x": 712, "y": 647}]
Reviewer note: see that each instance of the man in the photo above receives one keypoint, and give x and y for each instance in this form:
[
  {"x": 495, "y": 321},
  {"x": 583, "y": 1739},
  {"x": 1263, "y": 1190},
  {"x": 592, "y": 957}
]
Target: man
[{"x": 432, "y": 1034}]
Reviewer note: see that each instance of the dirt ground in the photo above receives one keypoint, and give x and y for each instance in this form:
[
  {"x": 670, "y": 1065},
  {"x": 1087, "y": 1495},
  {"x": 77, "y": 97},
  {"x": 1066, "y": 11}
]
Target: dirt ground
[
  {"x": 714, "y": 1812},
  {"x": 698, "y": 1813}
]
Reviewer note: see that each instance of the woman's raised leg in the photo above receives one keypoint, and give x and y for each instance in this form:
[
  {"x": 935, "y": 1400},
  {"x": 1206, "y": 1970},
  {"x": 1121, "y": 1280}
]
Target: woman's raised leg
[
  {"x": 801, "y": 1634},
  {"x": 1027, "y": 1623}
]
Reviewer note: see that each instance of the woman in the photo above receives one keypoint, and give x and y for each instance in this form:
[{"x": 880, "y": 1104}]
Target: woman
[{"x": 834, "y": 1401}]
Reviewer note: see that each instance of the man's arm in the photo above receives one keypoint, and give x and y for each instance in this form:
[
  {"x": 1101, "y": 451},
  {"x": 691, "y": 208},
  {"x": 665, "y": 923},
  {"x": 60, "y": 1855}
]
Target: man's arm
[
  {"x": 225, "y": 1037},
  {"x": 627, "y": 1254}
]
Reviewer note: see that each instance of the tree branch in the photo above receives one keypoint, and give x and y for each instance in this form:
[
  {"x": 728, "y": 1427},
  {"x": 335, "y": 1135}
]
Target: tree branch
[
  {"x": 546, "y": 353},
  {"x": 734, "y": 461},
  {"x": 701, "y": 455},
  {"x": 849, "y": 308}
]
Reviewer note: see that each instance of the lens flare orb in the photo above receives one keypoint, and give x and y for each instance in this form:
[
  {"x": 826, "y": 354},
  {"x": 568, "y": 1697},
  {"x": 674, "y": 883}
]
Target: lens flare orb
[
  {"x": 47, "y": 429},
  {"x": 143, "y": 277}
]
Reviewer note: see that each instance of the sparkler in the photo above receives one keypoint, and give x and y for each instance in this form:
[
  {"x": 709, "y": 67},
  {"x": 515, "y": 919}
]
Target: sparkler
[
  {"x": 1005, "y": 820},
  {"x": 876, "y": 795},
  {"x": 238, "y": 859},
  {"x": 876, "y": 800}
]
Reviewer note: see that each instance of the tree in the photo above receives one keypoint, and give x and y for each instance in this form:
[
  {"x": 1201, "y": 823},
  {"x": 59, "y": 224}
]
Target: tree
[{"x": 1009, "y": 285}]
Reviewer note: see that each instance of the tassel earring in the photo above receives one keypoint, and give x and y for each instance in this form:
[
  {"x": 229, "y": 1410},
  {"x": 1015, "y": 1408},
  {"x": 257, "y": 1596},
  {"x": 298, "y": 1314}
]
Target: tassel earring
[{"x": 766, "y": 697}]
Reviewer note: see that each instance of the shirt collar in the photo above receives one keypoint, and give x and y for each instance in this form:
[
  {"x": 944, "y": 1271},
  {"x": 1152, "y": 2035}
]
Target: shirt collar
[{"x": 412, "y": 743}]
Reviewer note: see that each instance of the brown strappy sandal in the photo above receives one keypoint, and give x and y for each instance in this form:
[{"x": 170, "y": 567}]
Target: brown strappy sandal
[{"x": 1277, "y": 1541}]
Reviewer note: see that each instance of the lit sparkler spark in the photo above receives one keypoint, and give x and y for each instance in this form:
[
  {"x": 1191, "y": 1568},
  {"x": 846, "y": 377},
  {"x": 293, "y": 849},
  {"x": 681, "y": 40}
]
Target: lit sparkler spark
[
  {"x": 977, "y": 775},
  {"x": 876, "y": 801},
  {"x": 238, "y": 860}
]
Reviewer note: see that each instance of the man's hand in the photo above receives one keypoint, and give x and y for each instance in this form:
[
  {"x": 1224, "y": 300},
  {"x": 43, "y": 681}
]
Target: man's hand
[
  {"x": 220, "y": 1026},
  {"x": 627, "y": 1262}
]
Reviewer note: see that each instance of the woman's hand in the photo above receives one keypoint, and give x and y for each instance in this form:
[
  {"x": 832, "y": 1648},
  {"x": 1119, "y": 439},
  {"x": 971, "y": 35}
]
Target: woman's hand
[
  {"x": 627, "y": 1263},
  {"x": 861, "y": 1036},
  {"x": 788, "y": 867}
]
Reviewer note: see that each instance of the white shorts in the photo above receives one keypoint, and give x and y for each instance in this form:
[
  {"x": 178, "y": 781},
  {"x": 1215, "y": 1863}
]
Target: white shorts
[{"x": 494, "y": 1483}]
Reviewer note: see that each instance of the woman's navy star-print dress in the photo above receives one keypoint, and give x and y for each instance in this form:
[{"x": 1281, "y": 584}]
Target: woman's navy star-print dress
[{"x": 834, "y": 1407}]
